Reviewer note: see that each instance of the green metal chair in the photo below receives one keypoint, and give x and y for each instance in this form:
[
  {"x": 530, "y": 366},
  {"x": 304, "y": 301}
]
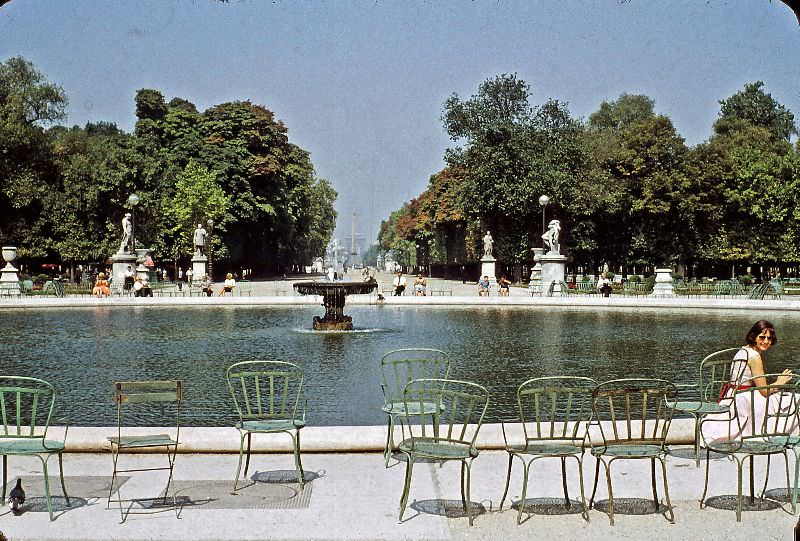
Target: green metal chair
[
  {"x": 770, "y": 433},
  {"x": 554, "y": 413},
  {"x": 27, "y": 409},
  {"x": 633, "y": 417},
  {"x": 398, "y": 368},
  {"x": 268, "y": 396},
  {"x": 452, "y": 437},
  {"x": 704, "y": 396},
  {"x": 136, "y": 399}
]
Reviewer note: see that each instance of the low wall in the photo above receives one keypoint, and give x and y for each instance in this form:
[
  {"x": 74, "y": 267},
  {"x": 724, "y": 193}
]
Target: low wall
[{"x": 314, "y": 439}]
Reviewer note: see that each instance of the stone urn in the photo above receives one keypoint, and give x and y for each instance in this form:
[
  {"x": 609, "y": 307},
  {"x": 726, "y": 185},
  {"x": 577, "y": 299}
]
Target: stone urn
[{"x": 9, "y": 255}]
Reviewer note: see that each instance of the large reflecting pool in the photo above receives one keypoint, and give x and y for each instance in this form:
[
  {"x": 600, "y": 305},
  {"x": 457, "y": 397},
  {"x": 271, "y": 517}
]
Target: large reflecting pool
[{"x": 83, "y": 351}]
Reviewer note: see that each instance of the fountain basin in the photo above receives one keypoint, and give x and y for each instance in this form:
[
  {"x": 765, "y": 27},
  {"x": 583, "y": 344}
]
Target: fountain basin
[{"x": 333, "y": 299}]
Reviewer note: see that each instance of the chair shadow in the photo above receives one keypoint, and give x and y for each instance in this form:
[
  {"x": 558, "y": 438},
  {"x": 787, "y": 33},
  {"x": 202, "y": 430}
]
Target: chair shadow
[
  {"x": 631, "y": 506},
  {"x": 447, "y": 508},
  {"x": 727, "y": 502},
  {"x": 781, "y": 494},
  {"x": 689, "y": 454},
  {"x": 400, "y": 458},
  {"x": 547, "y": 507},
  {"x": 38, "y": 504},
  {"x": 285, "y": 476}
]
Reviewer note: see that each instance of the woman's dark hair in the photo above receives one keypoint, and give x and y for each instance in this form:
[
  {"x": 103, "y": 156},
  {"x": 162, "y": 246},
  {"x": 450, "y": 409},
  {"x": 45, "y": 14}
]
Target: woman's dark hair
[{"x": 760, "y": 326}]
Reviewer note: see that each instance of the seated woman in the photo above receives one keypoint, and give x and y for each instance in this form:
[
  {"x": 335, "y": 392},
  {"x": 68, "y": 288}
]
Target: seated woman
[
  {"x": 504, "y": 284},
  {"x": 419, "y": 286},
  {"x": 747, "y": 370},
  {"x": 483, "y": 286},
  {"x": 101, "y": 288},
  {"x": 228, "y": 285},
  {"x": 205, "y": 286}
]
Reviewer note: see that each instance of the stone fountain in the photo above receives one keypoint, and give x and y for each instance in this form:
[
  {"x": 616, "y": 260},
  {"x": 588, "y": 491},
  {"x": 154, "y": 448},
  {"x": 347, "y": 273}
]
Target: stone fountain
[{"x": 333, "y": 299}]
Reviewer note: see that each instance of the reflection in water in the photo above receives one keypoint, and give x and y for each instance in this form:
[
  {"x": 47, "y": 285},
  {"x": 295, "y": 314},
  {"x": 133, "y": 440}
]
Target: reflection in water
[{"x": 83, "y": 351}]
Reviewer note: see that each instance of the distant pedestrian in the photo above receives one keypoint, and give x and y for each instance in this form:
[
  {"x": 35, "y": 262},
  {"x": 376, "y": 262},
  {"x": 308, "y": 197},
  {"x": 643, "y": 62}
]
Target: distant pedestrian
[{"x": 463, "y": 274}]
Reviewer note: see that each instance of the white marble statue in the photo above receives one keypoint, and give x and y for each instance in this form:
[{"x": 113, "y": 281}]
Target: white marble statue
[
  {"x": 488, "y": 243},
  {"x": 127, "y": 234},
  {"x": 199, "y": 240},
  {"x": 551, "y": 237}
]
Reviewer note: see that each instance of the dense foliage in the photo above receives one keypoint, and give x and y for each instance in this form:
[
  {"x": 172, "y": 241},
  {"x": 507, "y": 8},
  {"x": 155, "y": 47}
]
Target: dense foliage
[
  {"x": 63, "y": 191},
  {"x": 627, "y": 189}
]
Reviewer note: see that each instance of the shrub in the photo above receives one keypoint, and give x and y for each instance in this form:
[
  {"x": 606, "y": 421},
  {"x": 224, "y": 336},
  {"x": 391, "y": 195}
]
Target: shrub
[
  {"x": 634, "y": 279},
  {"x": 746, "y": 279},
  {"x": 41, "y": 278},
  {"x": 610, "y": 275},
  {"x": 650, "y": 281},
  {"x": 677, "y": 276}
]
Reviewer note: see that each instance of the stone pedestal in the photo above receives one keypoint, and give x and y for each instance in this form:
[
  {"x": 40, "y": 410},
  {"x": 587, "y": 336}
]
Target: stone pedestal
[
  {"x": 535, "y": 285},
  {"x": 9, "y": 280},
  {"x": 663, "y": 286},
  {"x": 488, "y": 268},
  {"x": 199, "y": 267},
  {"x": 120, "y": 263},
  {"x": 553, "y": 266}
]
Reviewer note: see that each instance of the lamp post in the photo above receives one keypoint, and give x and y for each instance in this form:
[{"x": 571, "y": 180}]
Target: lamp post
[
  {"x": 210, "y": 224},
  {"x": 133, "y": 200},
  {"x": 543, "y": 202}
]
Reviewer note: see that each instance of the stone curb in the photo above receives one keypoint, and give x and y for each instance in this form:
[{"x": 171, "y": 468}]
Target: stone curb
[{"x": 314, "y": 439}]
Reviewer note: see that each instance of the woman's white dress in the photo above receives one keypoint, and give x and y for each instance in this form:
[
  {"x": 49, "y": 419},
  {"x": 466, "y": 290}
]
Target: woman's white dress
[{"x": 741, "y": 416}]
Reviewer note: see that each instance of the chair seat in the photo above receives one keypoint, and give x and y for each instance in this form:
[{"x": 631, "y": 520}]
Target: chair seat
[
  {"x": 270, "y": 425},
  {"x": 144, "y": 440},
  {"x": 633, "y": 450},
  {"x": 546, "y": 449},
  {"x": 438, "y": 448},
  {"x": 414, "y": 408},
  {"x": 750, "y": 447},
  {"x": 29, "y": 446},
  {"x": 698, "y": 406}
]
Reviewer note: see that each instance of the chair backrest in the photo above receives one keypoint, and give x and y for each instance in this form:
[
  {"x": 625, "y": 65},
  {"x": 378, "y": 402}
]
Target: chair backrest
[
  {"x": 136, "y": 399},
  {"x": 779, "y": 419},
  {"x": 634, "y": 411},
  {"x": 267, "y": 390},
  {"x": 460, "y": 407},
  {"x": 555, "y": 408},
  {"x": 718, "y": 371},
  {"x": 26, "y": 406},
  {"x": 401, "y": 366}
]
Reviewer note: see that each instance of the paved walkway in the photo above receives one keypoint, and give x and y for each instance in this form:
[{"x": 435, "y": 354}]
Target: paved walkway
[{"x": 353, "y": 497}]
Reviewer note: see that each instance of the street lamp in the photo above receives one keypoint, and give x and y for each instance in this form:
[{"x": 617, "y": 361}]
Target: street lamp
[
  {"x": 543, "y": 202},
  {"x": 210, "y": 224},
  {"x": 133, "y": 200}
]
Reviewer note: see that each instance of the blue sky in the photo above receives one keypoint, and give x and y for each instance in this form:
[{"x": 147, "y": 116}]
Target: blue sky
[{"x": 361, "y": 84}]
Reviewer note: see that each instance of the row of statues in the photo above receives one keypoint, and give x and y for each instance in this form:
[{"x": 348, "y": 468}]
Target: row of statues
[
  {"x": 125, "y": 246},
  {"x": 550, "y": 238}
]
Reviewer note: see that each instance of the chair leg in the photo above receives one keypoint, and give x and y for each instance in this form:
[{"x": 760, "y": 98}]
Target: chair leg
[
  {"x": 596, "y": 476},
  {"x": 788, "y": 481},
  {"x": 61, "y": 473},
  {"x": 407, "y": 484},
  {"x": 171, "y": 460},
  {"x": 5, "y": 478},
  {"x": 526, "y": 473},
  {"x": 653, "y": 479},
  {"x": 610, "y": 490},
  {"x": 469, "y": 502},
  {"x": 796, "y": 476},
  {"x": 239, "y": 467},
  {"x": 114, "y": 458},
  {"x": 387, "y": 452},
  {"x": 247, "y": 461},
  {"x": 696, "y": 440},
  {"x": 463, "y": 495},
  {"x": 583, "y": 496},
  {"x": 752, "y": 481},
  {"x": 766, "y": 478},
  {"x": 508, "y": 480},
  {"x": 47, "y": 487},
  {"x": 567, "y": 503},
  {"x": 666, "y": 490},
  {"x": 705, "y": 485},
  {"x": 298, "y": 463},
  {"x": 738, "y": 490}
]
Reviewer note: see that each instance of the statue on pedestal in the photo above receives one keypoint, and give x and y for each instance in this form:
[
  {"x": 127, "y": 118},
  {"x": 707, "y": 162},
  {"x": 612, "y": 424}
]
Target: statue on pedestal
[
  {"x": 127, "y": 234},
  {"x": 488, "y": 243},
  {"x": 551, "y": 237},
  {"x": 199, "y": 240}
]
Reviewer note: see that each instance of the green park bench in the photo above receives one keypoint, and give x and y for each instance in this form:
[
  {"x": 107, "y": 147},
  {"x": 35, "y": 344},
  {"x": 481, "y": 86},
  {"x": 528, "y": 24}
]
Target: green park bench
[{"x": 584, "y": 287}]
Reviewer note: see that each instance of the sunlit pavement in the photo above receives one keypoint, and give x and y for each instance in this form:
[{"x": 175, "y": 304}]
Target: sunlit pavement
[{"x": 352, "y": 496}]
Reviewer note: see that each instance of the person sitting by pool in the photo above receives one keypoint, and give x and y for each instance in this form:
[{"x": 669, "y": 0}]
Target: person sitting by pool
[
  {"x": 205, "y": 286},
  {"x": 483, "y": 286},
  {"x": 399, "y": 284},
  {"x": 228, "y": 285},
  {"x": 101, "y": 288},
  {"x": 604, "y": 285},
  {"x": 504, "y": 283},
  {"x": 419, "y": 286},
  {"x": 137, "y": 287},
  {"x": 147, "y": 291}
]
